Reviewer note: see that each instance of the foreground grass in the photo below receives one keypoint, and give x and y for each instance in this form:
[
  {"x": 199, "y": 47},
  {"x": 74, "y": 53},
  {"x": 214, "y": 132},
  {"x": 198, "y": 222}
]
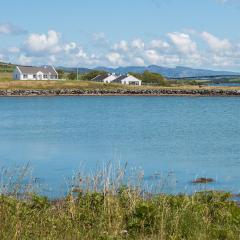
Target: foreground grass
[
  {"x": 109, "y": 206},
  {"x": 125, "y": 215}
]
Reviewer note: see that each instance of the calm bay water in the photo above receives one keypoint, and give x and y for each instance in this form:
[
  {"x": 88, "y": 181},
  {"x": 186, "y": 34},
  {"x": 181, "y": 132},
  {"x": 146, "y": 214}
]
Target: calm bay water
[
  {"x": 179, "y": 137},
  {"x": 225, "y": 84}
]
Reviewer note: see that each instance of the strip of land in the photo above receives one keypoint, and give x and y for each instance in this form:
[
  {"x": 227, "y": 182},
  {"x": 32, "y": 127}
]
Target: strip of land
[
  {"x": 9, "y": 87},
  {"x": 78, "y": 88}
]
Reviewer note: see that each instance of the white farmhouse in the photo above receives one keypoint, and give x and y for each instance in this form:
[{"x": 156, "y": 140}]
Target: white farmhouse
[
  {"x": 105, "y": 78},
  {"x": 35, "y": 73},
  {"x": 128, "y": 79}
]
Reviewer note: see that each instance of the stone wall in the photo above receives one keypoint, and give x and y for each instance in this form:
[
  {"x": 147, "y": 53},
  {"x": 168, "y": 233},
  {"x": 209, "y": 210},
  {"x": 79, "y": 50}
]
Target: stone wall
[{"x": 79, "y": 92}]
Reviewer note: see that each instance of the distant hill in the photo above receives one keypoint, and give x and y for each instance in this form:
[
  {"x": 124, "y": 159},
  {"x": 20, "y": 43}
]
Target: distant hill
[
  {"x": 71, "y": 69},
  {"x": 177, "y": 72}
]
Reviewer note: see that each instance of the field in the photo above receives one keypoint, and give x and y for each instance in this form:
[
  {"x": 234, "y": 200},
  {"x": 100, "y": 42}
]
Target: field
[{"x": 6, "y": 82}]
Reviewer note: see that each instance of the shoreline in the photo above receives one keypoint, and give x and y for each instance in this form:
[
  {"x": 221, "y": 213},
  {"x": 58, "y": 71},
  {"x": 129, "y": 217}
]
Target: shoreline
[{"x": 119, "y": 92}]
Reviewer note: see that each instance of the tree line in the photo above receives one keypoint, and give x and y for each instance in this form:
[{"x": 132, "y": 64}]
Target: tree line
[{"x": 147, "y": 77}]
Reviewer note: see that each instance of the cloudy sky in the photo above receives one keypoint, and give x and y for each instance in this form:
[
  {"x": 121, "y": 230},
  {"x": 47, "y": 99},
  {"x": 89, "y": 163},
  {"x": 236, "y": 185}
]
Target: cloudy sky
[{"x": 89, "y": 33}]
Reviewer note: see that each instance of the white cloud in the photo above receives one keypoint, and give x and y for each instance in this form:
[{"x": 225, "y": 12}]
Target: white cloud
[
  {"x": 1, "y": 57},
  {"x": 77, "y": 53},
  {"x": 115, "y": 58},
  {"x": 215, "y": 43},
  {"x": 13, "y": 50},
  {"x": 49, "y": 48},
  {"x": 24, "y": 60},
  {"x": 159, "y": 44},
  {"x": 139, "y": 61},
  {"x": 5, "y": 29},
  {"x": 152, "y": 56},
  {"x": 81, "y": 54},
  {"x": 99, "y": 36},
  {"x": 172, "y": 60},
  {"x": 8, "y": 28},
  {"x": 99, "y": 40},
  {"x": 183, "y": 42},
  {"x": 52, "y": 58},
  {"x": 138, "y": 44},
  {"x": 43, "y": 43},
  {"x": 122, "y": 45},
  {"x": 178, "y": 48},
  {"x": 69, "y": 47}
]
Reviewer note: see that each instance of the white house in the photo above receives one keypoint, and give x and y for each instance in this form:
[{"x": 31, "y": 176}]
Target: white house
[
  {"x": 127, "y": 79},
  {"x": 35, "y": 73},
  {"x": 105, "y": 78}
]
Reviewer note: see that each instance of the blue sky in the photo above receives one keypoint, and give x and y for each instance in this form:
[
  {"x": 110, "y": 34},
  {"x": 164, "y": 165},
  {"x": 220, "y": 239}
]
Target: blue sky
[{"x": 119, "y": 33}]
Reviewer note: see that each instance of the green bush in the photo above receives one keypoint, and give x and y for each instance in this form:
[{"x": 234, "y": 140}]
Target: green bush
[
  {"x": 89, "y": 76},
  {"x": 151, "y": 78},
  {"x": 124, "y": 215}
]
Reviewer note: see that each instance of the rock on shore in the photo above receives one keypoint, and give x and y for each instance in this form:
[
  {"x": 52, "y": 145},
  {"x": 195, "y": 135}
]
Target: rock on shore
[{"x": 79, "y": 92}]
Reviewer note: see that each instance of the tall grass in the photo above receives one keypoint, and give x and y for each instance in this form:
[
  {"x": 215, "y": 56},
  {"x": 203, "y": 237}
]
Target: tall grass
[{"x": 109, "y": 205}]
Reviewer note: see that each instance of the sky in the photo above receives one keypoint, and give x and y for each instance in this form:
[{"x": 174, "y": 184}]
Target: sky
[{"x": 112, "y": 33}]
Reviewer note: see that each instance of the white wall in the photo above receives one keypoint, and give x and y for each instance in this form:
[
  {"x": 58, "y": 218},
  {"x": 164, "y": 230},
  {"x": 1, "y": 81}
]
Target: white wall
[
  {"x": 109, "y": 79},
  {"x": 132, "y": 79},
  {"x": 17, "y": 74}
]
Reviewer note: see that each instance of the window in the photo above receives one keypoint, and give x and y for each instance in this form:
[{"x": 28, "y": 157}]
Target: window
[
  {"x": 45, "y": 76},
  {"x": 34, "y": 76},
  {"x": 25, "y": 76}
]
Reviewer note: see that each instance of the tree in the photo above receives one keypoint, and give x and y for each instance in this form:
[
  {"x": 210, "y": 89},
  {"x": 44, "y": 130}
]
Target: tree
[
  {"x": 90, "y": 75},
  {"x": 61, "y": 73},
  {"x": 72, "y": 76},
  {"x": 150, "y": 78}
]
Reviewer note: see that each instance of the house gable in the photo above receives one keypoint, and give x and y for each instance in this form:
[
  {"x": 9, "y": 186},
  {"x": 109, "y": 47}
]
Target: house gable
[
  {"x": 128, "y": 79},
  {"x": 106, "y": 78},
  {"x": 131, "y": 78},
  {"x": 17, "y": 74},
  {"x": 110, "y": 78}
]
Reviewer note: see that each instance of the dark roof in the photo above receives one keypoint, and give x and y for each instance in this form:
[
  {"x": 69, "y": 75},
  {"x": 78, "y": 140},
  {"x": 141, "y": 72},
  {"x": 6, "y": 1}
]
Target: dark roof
[
  {"x": 119, "y": 79},
  {"x": 35, "y": 70},
  {"x": 100, "y": 78}
]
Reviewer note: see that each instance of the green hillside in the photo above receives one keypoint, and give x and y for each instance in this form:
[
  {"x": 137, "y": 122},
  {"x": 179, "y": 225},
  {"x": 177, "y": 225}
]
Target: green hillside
[{"x": 6, "y": 67}]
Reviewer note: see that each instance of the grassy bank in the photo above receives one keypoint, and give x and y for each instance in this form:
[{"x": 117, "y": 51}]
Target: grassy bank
[
  {"x": 7, "y": 84},
  {"x": 125, "y": 215},
  {"x": 113, "y": 205}
]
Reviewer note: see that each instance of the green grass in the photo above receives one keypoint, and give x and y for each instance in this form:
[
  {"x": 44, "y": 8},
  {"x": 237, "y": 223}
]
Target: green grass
[
  {"x": 235, "y": 80},
  {"x": 101, "y": 207},
  {"x": 6, "y": 68},
  {"x": 6, "y": 83},
  {"x": 125, "y": 215}
]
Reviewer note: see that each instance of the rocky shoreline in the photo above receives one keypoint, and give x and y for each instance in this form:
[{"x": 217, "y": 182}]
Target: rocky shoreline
[{"x": 144, "y": 92}]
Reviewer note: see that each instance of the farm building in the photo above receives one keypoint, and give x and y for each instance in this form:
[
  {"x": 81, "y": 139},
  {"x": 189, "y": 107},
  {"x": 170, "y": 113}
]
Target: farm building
[
  {"x": 35, "y": 73},
  {"x": 127, "y": 79},
  {"x": 122, "y": 79},
  {"x": 106, "y": 78}
]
